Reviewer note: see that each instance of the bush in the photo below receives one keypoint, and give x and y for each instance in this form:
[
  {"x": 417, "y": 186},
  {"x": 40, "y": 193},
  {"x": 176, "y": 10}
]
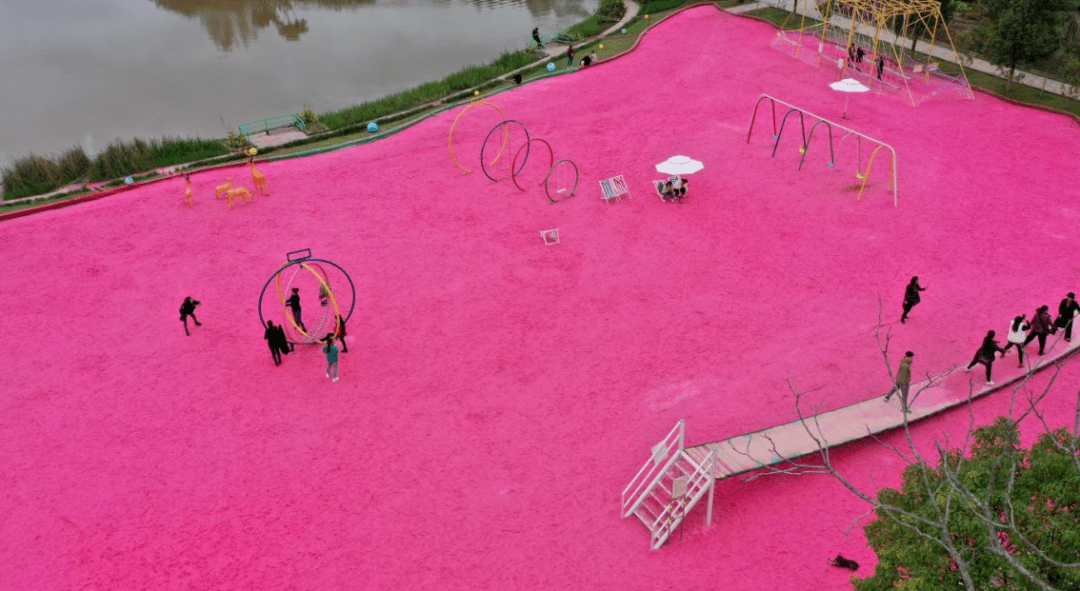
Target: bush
[
  {"x": 660, "y": 5},
  {"x": 612, "y": 9},
  {"x": 34, "y": 175}
]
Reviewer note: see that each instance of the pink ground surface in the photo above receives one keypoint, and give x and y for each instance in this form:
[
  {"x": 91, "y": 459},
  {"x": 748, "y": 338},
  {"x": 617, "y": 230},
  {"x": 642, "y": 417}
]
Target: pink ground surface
[{"x": 499, "y": 394}]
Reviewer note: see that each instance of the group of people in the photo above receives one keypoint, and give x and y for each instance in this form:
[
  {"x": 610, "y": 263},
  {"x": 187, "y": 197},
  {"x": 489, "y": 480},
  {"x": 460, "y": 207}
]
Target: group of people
[
  {"x": 673, "y": 189},
  {"x": 856, "y": 55},
  {"x": 274, "y": 334},
  {"x": 1021, "y": 332}
]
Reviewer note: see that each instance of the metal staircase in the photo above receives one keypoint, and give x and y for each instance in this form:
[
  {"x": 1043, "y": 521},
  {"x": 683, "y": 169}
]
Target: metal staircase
[{"x": 669, "y": 485}]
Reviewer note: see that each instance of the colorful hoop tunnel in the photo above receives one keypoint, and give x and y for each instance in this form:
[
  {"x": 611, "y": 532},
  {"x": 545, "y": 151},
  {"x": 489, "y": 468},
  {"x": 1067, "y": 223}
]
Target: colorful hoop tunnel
[
  {"x": 577, "y": 177},
  {"x": 324, "y": 281},
  {"x": 506, "y": 134},
  {"x": 450, "y": 141},
  {"x": 305, "y": 263},
  {"x": 514, "y": 167}
]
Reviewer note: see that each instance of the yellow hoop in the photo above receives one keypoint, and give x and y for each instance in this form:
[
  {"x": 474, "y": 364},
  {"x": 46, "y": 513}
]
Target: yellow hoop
[
  {"x": 450, "y": 142},
  {"x": 330, "y": 292}
]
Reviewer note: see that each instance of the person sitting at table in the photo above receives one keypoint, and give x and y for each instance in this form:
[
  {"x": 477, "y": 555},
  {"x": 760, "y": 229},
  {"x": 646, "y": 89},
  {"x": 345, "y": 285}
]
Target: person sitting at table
[
  {"x": 667, "y": 192},
  {"x": 678, "y": 186}
]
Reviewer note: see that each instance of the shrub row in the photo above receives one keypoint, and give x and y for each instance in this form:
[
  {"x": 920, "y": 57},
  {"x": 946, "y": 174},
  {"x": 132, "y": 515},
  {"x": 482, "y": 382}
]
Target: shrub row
[{"x": 660, "y": 5}]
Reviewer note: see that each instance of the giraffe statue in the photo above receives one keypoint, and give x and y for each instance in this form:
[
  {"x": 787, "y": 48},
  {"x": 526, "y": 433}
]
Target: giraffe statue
[{"x": 257, "y": 178}]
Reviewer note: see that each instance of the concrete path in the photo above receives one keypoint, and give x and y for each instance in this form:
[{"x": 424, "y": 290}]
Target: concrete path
[{"x": 808, "y": 8}]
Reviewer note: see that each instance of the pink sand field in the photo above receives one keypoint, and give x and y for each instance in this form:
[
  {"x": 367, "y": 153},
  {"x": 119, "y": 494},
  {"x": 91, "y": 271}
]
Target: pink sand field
[{"x": 498, "y": 393}]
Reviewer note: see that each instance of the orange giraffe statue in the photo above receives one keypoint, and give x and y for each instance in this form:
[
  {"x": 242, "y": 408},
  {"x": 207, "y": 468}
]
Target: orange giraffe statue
[
  {"x": 223, "y": 188},
  {"x": 257, "y": 178},
  {"x": 244, "y": 195},
  {"x": 187, "y": 190}
]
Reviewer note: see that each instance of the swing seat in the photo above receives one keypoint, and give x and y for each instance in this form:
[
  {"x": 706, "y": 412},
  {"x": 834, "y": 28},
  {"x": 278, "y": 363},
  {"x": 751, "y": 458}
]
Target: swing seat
[{"x": 613, "y": 188}]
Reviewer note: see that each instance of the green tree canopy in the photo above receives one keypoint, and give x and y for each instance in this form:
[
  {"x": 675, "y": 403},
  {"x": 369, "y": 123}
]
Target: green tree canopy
[
  {"x": 1012, "y": 518},
  {"x": 1023, "y": 31}
]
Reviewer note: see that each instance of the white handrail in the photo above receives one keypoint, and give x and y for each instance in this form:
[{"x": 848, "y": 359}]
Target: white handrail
[{"x": 649, "y": 472}]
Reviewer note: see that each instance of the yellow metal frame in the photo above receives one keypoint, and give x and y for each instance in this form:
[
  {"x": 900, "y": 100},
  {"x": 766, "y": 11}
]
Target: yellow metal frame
[
  {"x": 450, "y": 141},
  {"x": 866, "y": 176},
  {"x": 877, "y": 15}
]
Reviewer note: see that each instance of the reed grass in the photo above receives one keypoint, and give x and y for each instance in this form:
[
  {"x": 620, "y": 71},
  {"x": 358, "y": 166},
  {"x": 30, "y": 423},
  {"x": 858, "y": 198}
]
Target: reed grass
[
  {"x": 120, "y": 159},
  {"x": 35, "y": 174}
]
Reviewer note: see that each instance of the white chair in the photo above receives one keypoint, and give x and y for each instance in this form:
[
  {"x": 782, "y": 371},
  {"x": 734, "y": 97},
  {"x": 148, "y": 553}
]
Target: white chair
[{"x": 614, "y": 188}]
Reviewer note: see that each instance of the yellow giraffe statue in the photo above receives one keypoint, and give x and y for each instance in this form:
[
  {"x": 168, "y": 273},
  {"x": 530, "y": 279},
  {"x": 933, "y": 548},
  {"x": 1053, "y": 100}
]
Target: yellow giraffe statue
[
  {"x": 187, "y": 190},
  {"x": 240, "y": 192},
  {"x": 257, "y": 178},
  {"x": 223, "y": 188}
]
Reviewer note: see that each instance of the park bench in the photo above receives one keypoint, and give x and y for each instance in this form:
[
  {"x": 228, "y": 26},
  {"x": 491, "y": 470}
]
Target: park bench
[{"x": 276, "y": 122}]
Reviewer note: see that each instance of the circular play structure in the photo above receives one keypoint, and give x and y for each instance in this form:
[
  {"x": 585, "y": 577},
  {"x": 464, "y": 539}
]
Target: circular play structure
[
  {"x": 561, "y": 180},
  {"x": 337, "y": 297},
  {"x": 504, "y": 127},
  {"x": 453, "y": 126}
]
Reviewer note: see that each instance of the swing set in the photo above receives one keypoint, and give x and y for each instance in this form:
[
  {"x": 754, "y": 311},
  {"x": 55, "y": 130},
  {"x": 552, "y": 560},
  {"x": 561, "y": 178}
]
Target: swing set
[{"x": 831, "y": 129}]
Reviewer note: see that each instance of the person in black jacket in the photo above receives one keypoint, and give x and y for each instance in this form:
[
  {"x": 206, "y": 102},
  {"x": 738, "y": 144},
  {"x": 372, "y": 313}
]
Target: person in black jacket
[
  {"x": 283, "y": 341},
  {"x": 294, "y": 304},
  {"x": 911, "y": 297},
  {"x": 985, "y": 355},
  {"x": 271, "y": 336},
  {"x": 1066, "y": 310},
  {"x": 341, "y": 334},
  {"x": 188, "y": 309},
  {"x": 536, "y": 37}
]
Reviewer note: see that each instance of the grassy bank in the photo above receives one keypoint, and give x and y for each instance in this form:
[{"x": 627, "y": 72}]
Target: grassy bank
[{"x": 36, "y": 175}]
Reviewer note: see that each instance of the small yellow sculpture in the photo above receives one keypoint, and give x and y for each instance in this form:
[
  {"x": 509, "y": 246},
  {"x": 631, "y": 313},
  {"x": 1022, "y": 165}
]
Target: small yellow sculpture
[
  {"x": 187, "y": 190},
  {"x": 258, "y": 178},
  {"x": 223, "y": 188},
  {"x": 240, "y": 192}
]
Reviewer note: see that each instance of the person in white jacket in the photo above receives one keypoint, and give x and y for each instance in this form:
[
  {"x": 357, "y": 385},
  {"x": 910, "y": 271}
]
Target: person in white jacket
[{"x": 1017, "y": 335}]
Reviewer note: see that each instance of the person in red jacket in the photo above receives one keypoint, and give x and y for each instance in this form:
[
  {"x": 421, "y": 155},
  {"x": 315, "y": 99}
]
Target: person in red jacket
[{"x": 1041, "y": 325}]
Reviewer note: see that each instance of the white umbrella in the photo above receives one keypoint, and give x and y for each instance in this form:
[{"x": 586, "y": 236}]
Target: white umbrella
[
  {"x": 677, "y": 165},
  {"x": 848, "y": 86}
]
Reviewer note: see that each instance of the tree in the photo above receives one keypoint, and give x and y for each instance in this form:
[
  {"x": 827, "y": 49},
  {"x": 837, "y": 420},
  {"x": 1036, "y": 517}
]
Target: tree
[
  {"x": 987, "y": 515},
  {"x": 1011, "y": 513},
  {"x": 1022, "y": 31},
  {"x": 916, "y": 24}
]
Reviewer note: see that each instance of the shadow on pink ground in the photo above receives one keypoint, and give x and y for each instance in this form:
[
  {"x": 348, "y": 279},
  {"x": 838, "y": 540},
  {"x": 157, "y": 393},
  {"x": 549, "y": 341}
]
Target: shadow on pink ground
[{"x": 498, "y": 393}]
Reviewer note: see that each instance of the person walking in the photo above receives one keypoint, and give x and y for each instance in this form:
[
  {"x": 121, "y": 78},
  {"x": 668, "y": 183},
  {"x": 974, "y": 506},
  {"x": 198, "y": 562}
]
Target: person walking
[
  {"x": 1017, "y": 336},
  {"x": 1067, "y": 309},
  {"x": 902, "y": 382},
  {"x": 536, "y": 37},
  {"x": 188, "y": 309},
  {"x": 1041, "y": 325},
  {"x": 569, "y": 55},
  {"x": 294, "y": 304},
  {"x": 271, "y": 336},
  {"x": 911, "y": 297},
  {"x": 331, "y": 357},
  {"x": 985, "y": 355}
]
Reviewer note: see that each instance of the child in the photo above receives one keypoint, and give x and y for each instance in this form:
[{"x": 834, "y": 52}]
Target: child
[
  {"x": 331, "y": 357},
  {"x": 188, "y": 309}
]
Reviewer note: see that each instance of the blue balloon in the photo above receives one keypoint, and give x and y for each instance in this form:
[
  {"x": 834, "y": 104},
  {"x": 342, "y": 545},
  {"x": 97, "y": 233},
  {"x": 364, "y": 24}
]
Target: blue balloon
[
  {"x": 624, "y": 31},
  {"x": 129, "y": 180},
  {"x": 551, "y": 67},
  {"x": 372, "y": 127}
]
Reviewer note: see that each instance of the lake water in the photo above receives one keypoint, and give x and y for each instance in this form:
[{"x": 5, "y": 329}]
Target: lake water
[{"x": 90, "y": 71}]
